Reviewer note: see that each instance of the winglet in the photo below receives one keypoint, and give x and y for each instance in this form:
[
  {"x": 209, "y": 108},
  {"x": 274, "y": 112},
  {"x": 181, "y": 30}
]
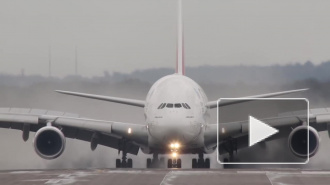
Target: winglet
[{"x": 180, "y": 68}]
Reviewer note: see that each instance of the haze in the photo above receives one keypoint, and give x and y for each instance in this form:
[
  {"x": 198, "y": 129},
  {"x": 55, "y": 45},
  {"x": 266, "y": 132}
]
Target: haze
[{"x": 129, "y": 35}]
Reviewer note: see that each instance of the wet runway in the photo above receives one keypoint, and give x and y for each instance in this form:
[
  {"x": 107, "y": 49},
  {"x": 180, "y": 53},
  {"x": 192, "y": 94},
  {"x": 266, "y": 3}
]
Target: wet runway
[{"x": 165, "y": 177}]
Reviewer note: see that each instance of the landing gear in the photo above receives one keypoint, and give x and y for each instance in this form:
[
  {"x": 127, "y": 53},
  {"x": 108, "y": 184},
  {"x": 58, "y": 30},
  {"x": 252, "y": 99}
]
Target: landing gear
[
  {"x": 124, "y": 162},
  {"x": 174, "y": 163},
  {"x": 156, "y": 162},
  {"x": 229, "y": 146},
  {"x": 200, "y": 162}
]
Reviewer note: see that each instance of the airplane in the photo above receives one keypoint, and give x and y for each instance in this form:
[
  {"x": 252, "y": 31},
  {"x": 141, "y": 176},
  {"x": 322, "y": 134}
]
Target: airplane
[{"x": 176, "y": 123}]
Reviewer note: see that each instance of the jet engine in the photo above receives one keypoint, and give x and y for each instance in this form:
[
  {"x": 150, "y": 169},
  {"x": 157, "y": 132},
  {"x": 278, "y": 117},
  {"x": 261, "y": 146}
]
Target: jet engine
[
  {"x": 298, "y": 141},
  {"x": 49, "y": 142}
]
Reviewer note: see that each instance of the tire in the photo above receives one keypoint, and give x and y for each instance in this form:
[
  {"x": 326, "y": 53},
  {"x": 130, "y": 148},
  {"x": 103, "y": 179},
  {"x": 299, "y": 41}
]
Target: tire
[
  {"x": 207, "y": 163},
  {"x": 148, "y": 163},
  {"x": 129, "y": 163},
  {"x": 200, "y": 163},
  {"x": 179, "y": 163},
  {"x": 169, "y": 163},
  {"x": 118, "y": 163},
  {"x": 194, "y": 163}
]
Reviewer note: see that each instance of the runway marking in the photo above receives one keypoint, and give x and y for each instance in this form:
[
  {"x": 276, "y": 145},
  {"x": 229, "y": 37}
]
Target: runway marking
[
  {"x": 251, "y": 172},
  {"x": 132, "y": 172},
  {"x": 164, "y": 181},
  {"x": 24, "y": 172},
  {"x": 316, "y": 172},
  {"x": 269, "y": 179},
  {"x": 63, "y": 179}
]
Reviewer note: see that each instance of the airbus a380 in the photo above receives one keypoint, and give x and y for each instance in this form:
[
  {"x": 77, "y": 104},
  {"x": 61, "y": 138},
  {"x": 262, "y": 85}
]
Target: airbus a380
[{"x": 176, "y": 123}]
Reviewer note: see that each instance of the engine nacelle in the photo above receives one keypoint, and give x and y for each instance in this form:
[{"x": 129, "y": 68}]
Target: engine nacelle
[
  {"x": 298, "y": 141},
  {"x": 49, "y": 142}
]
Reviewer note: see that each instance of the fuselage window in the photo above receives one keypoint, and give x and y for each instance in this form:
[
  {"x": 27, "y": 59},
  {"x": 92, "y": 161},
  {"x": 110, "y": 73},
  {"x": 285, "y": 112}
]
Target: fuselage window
[
  {"x": 177, "y": 105},
  {"x": 169, "y": 105}
]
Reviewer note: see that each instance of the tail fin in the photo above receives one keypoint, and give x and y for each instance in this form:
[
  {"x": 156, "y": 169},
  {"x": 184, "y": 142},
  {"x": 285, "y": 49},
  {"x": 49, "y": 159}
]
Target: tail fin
[{"x": 180, "y": 69}]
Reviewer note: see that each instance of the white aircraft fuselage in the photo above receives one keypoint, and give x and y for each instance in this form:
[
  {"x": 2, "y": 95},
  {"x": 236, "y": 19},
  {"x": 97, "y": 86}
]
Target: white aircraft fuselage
[{"x": 176, "y": 112}]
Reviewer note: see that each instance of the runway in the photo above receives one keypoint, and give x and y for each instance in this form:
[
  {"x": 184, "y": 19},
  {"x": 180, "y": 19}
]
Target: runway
[{"x": 165, "y": 177}]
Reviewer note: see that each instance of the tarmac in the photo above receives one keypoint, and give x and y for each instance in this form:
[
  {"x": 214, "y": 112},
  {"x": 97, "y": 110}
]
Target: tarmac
[{"x": 166, "y": 177}]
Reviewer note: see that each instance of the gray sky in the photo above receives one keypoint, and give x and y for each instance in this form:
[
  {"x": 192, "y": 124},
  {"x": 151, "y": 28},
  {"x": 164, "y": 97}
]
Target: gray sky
[{"x": 125, "y": 35}]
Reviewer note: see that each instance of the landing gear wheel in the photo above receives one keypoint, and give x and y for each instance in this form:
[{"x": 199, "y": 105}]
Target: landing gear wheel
[
  {"x": 123, "y": 163},
  {"x": 194, "y": 163},
  {"x": 169, "y": 163},
  {"x": 200, "y": 163},
  {"x": 174, "y": 163},
  {"x": 178, "y": 163},
  {"x": 207, "y": 163},
  {"x": 118, "y": 163},
  {"x": 129, "y": 163},
  {"x": 148, "y": 163}
]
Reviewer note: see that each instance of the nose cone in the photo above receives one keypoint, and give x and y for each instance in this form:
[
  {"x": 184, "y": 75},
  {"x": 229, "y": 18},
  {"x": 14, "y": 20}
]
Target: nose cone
[{"x": 175, "y": 128}]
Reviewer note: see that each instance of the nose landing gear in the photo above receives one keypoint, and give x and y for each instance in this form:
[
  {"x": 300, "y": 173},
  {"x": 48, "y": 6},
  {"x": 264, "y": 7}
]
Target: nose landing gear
[{"x": 174, "y": 163}]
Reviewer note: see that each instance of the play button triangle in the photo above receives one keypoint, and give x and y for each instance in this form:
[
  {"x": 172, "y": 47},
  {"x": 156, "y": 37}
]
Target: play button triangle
[{"x": 259, "y": 131}]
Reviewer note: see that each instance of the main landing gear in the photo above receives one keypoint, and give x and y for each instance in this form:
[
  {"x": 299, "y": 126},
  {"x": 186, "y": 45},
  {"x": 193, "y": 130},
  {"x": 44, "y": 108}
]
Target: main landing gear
[
  {"x": 200, "y": 162},
  {"x": 124, "y": 162},
  {"x": 156, "y": 162}
]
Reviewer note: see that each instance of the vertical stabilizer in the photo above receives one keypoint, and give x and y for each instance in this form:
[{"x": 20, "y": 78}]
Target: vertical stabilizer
[{"x": 180, "y": 45}]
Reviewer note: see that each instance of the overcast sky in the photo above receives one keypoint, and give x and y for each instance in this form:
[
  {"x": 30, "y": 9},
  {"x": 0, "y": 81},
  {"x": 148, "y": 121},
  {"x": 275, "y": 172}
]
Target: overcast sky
[{"x": 126, "y": 35}]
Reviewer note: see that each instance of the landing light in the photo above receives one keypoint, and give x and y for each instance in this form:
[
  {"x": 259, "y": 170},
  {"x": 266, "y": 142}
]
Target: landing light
[
  {"x": 174, "y": 154},
  {"x": 175, "y": 145},
  {"x": 129, "y": 131}
]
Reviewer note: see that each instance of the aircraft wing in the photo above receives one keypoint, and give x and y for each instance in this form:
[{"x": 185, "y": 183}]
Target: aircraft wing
[
  {"x": 109, "y": 133},
  {"x": 213, "y": 104},
  {"x": 319, "y": 119},
  {"x": 133, "y": 102}
]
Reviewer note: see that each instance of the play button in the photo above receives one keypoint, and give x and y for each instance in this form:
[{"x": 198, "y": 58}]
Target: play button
[{"x": 259, "y": 131}]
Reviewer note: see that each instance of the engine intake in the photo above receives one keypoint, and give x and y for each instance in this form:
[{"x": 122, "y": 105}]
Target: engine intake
[
  {"x": 49, "y": 142},
  {"x": 298, "y": 141}
]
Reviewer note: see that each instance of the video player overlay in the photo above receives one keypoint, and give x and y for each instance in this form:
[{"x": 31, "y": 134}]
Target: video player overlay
[{"x": 265, "y": 131}]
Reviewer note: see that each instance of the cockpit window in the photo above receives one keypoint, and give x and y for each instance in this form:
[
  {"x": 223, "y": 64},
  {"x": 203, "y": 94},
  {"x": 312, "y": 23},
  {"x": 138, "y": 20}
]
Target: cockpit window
[
  {"x": 177, "y": 105},
  {"x": 173, "y": 105},
  {"x": 164, "y": 104},
  {"x": 169, "y": 105},
  {"x": 160, "y": 106}
]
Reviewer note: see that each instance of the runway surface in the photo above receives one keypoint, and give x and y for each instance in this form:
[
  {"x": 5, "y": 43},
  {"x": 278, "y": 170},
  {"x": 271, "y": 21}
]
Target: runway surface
[{"x": 165, "y": 177}]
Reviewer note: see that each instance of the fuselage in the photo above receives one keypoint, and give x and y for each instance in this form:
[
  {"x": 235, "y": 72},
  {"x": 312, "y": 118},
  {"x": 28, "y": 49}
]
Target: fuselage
[{"x": 176, "y": 112}]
